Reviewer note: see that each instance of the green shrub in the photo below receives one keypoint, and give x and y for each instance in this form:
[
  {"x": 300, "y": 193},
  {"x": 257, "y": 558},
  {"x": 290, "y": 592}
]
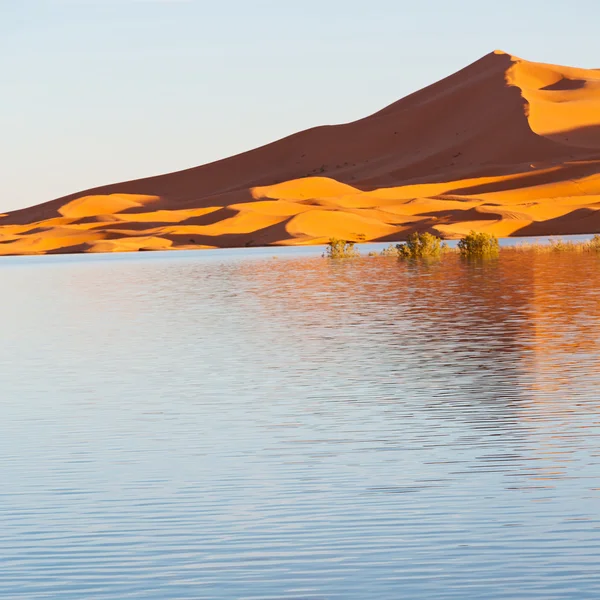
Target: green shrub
[
  {"x": 479, "y": 245},
  {"x": 419, "y": 245},
  {"x": 341, "y": 249}
]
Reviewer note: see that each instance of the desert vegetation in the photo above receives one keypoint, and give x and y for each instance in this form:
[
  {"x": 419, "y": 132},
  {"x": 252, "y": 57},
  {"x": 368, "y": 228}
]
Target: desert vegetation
[
  {"x": 558, "y": 245},
  {"x": 341, "y": 249},
  {"x": 479, "y": 245},
  {"x": 418, "y": 245},
  {"x": 473, "y": 245}
]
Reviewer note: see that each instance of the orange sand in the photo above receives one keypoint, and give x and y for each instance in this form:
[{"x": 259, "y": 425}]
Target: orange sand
[{"x": 505, "y": 145}]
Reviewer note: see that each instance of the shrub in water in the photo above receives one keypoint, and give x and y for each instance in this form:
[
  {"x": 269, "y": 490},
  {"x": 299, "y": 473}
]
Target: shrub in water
[
  {"x": 594, "y": 243},
  {"x": 391, "y": 250},
  {"x": 479, "y": 244},
  {"x": 341, "y": 249},
  {"x": 562, "y": 246},
  {"x": 419, "y": 245}
]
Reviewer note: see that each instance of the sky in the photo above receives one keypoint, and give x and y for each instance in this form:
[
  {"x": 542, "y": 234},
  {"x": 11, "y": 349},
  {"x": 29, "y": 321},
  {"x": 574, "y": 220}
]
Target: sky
[{"x": 101, "y": 91}]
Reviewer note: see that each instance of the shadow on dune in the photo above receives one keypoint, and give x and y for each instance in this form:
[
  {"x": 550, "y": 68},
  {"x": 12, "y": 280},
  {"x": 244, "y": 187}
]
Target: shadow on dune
[
  {"x": 579, "y": 221},
  {"x": 442, "y": 217},
  {"x": 267, "y": 236},
  {"x": 581, "y": 137},
  {"x": 552, "y": 173},
  {"x": 408, "y": 230},
  {"x": 566, "y": 84},
  {"x": 459, "y": 216}
]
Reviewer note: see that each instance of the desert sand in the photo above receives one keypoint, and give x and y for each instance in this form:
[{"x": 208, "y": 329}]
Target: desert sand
[{"x": 506, "y": 146}]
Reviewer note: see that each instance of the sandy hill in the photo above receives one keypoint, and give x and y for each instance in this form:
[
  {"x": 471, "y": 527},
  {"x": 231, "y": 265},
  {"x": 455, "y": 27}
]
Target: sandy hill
[{"x": 504, "y": 145}]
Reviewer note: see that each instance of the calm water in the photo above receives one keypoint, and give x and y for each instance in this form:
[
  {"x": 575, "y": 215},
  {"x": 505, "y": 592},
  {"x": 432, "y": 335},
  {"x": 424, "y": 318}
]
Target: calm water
[{"x": 204, "y": 425}]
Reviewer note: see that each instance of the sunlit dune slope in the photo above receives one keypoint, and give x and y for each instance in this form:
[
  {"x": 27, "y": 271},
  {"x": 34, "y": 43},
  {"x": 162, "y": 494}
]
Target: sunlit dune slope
[{"x": 505, "y": 145}]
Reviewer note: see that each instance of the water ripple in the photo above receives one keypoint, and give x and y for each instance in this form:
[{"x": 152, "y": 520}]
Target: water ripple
[{"x": 217, "y": 427}]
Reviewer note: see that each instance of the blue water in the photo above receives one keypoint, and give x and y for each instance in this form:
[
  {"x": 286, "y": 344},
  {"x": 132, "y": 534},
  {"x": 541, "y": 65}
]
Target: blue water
[{"x": 226, "y": 425}]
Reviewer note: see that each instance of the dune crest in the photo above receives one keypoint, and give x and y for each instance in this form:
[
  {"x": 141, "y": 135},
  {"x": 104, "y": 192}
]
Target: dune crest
[
  {"x": 92, "y": 206},
  {"x": 504, "y": 145},
  {"x": 563, "y": 102}
]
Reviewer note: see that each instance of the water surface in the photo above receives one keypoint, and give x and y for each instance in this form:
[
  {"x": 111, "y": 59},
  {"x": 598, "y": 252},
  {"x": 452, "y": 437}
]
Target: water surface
[{"x": 225, "y": 425}]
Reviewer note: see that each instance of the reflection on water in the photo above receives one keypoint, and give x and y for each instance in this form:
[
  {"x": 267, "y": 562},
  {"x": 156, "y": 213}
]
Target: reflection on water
[{"x": 201, "y": 427}]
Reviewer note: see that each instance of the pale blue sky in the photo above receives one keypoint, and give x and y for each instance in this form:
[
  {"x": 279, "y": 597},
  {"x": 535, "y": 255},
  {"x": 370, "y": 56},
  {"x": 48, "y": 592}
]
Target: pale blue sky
[{"x": 98, "y": 91}]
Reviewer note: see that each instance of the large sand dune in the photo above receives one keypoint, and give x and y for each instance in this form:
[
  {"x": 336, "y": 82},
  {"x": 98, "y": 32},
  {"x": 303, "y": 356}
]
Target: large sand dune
[{"x": 505, "y": 145}]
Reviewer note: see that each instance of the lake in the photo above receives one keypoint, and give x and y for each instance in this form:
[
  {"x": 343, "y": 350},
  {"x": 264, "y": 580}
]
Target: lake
[{"x": 229, "y": 425}]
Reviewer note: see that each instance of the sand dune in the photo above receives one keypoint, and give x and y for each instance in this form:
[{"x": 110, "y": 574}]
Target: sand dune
[{"x": 505, "y": 145}]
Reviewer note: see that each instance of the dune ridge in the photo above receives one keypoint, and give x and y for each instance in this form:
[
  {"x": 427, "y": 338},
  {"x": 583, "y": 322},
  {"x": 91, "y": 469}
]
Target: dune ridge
[{"x": 504, "y": 145}]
